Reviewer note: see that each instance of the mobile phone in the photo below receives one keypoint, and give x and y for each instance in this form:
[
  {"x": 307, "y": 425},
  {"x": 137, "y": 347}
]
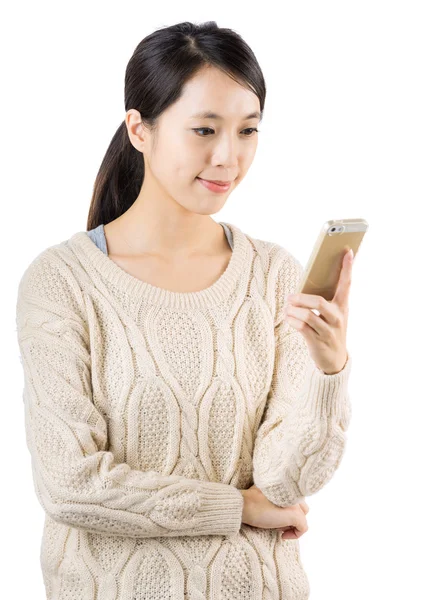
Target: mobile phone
[{"x": 322, "y": 272}]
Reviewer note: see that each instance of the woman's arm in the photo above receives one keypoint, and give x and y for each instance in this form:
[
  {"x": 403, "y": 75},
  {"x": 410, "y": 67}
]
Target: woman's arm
[
  {"x": 77, "y": 480},
  {"x": 301, "y": 439}
]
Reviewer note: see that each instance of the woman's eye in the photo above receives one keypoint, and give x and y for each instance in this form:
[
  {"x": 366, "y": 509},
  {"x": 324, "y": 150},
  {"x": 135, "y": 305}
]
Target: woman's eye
[{"x": 251, "y": 129}]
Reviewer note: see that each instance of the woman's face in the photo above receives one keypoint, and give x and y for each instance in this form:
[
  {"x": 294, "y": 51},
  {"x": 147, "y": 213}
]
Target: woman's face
[{"x": 188, "y": 146}]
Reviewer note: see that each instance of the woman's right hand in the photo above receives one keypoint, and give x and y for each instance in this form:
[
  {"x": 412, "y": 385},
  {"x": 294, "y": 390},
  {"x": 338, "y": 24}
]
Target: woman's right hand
[{"x": 258, "y": 511}]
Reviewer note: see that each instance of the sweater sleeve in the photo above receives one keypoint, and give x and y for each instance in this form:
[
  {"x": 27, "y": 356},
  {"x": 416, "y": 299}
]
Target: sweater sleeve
[
  {"x": 77, "y": 480},
  {"x": 301, "y": 438}
]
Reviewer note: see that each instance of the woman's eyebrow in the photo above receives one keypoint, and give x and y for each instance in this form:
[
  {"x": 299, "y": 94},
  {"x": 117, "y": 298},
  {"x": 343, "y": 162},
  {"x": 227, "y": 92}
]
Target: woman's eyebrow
[{"x": 212, "y": 115}]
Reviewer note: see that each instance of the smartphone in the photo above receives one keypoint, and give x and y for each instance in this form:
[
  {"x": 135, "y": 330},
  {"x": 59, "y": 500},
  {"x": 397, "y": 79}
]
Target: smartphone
[{"x": 322, "y": 272}]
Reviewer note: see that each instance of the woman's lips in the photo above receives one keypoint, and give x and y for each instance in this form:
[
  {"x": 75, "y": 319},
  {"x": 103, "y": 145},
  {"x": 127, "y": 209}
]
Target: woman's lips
[{"x": 214, "y": 187}]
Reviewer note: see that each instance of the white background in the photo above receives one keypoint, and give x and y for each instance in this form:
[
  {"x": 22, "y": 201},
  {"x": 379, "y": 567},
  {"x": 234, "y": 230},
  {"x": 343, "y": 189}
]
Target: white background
[{"x": 343, "y": 135}]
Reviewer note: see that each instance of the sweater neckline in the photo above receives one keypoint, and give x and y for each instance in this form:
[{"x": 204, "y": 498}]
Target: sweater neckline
[{"x": 129, "y": 284}]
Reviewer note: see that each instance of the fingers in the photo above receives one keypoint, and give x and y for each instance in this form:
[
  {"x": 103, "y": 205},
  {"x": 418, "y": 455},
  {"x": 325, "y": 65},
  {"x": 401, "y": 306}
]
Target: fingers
[
  {"x": 300, "y": 526},
  {"x": 288, "y": 535},
  {"x": 293, "y": 533}
]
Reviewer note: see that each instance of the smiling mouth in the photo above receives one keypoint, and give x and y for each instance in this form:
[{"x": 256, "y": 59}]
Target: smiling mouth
[{"x": 217, "y": 182}]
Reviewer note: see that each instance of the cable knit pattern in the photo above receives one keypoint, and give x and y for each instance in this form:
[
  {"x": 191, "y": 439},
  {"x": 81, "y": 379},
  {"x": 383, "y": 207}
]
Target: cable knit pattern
[{"x": 147, "y": 410}]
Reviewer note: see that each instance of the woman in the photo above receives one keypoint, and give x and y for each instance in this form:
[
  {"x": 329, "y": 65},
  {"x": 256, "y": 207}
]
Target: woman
[{"x": 174, "y": 417}]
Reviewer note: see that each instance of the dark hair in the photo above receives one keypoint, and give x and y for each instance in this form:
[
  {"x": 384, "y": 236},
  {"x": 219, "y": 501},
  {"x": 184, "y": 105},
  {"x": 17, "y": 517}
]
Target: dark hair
[{"x": 157, "y": 71}]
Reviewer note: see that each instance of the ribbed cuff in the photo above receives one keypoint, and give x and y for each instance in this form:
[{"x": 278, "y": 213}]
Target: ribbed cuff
[
  {"x": 282, "y": 494},
  {"x": 221, "y": 511},
  {"x": 324, "y": 393}
]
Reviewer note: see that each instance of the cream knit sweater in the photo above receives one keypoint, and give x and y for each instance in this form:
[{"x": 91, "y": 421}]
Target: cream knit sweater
[{"x": 147, "y": 410}]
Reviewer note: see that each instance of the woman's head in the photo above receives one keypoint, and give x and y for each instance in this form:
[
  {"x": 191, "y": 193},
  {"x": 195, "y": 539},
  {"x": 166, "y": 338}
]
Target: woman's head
[{"x": 173, "y": 74}]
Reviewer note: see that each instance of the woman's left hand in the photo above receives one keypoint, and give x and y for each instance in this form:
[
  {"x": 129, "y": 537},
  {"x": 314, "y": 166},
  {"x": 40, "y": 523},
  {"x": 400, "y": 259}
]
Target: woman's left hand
[{"x": 325, "y": 334}]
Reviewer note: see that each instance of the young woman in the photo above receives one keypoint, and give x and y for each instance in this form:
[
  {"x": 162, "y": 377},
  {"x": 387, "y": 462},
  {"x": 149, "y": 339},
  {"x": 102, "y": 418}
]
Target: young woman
[{"x": 175, "y": 418}]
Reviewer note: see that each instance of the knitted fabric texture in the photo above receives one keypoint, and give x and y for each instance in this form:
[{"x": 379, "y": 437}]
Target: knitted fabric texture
[{"x": 147, "y": 410}]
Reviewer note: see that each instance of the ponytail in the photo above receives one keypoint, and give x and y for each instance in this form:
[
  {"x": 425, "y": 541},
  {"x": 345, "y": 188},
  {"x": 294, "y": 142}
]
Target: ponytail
[{"x": 118, "y": 182}]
